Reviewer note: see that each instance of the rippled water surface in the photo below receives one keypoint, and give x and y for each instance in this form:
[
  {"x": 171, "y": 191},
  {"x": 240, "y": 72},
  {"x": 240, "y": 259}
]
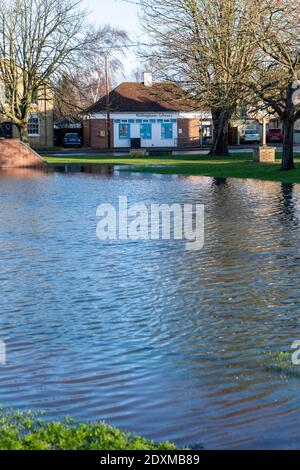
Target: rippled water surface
[{"x": 150, "y": 337}]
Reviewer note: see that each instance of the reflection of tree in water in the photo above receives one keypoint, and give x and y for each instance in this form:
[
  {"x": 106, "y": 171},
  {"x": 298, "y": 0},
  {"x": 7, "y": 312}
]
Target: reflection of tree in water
[
  {"x": 105, "y": 170},
  {"x": 247, "y": 224},
  {"x": 219, "y": 182},
  {"x": 288, "y": 204}
]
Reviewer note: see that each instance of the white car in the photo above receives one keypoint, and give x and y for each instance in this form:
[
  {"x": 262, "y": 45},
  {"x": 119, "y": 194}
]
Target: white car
[{"x": 250, "y": 136}]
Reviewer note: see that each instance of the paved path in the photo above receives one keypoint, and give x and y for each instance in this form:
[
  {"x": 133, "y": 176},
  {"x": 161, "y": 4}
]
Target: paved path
[{"x": 98, "y": 152}]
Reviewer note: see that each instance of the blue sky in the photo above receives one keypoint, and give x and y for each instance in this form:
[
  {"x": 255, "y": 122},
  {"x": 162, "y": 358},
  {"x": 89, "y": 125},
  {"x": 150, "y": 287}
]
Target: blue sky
[{"x": 120, "y": 14}]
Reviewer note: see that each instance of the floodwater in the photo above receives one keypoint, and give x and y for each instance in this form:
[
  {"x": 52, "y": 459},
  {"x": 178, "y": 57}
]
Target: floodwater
[{"x": 152, "y": 338}]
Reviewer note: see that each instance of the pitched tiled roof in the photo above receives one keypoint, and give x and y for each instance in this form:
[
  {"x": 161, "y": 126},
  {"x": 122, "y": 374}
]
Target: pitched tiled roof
[{"x": 136, "y": 97}]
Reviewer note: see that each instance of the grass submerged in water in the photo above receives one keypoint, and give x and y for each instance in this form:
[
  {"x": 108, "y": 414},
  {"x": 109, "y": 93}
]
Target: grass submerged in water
[
  {"x": 237, "y": 165},
  {"x": 281, "y": 362}
]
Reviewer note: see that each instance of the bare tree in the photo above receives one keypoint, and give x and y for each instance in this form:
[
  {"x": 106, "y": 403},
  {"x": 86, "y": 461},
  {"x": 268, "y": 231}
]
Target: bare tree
[
  {"x": 276, "y": 28},
  {"x": 39, "y": 41},
  {"x": 107, "y": 56},
  {"x": 82, "y": 87},
  {"x": 208, "y": 47}
]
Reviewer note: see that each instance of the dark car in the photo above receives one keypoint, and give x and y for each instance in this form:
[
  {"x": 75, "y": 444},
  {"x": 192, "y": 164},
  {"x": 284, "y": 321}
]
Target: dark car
[
  {"x": 72, "y": 140},
  {"x": 275, "y": 135}
]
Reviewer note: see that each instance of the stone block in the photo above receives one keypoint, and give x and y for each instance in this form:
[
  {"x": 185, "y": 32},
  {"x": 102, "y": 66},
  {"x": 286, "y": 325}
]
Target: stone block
[
  {"x": 139, "y": 153},
  {"x": 264, "y": 155}
]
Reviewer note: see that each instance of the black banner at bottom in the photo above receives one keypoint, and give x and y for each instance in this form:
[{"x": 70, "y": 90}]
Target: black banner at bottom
[{"x": 135, "y": 459}]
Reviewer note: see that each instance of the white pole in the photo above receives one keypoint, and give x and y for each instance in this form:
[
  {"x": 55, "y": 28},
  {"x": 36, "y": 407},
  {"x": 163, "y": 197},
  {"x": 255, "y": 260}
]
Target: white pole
[
  {"x": 107, "y": 87},
  {"x": 264, "y": 132}
]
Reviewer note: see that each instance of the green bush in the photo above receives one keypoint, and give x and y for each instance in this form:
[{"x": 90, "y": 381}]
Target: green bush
[
  {"x": 27, "y": 431},
  {"x": 281, "y": 362}
]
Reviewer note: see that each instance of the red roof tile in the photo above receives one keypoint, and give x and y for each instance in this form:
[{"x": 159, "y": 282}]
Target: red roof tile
[{"x": 136, "y": 97}]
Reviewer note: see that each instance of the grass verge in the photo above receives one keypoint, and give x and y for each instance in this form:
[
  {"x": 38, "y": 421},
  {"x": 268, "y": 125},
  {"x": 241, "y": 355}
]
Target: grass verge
[
  {"x": 46, "y": 149},
  {"x": 237, "y": 165},
  {"x": 26, "y": 431}
]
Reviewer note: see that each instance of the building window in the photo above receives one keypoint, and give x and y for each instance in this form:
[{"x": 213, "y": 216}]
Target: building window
[
  {"x": 124, "y": 131},
  {"x": 146, "y": 131},
  {"x": 34, "y": 126},
  {"x": 2, "y": 93},
  {"x": 167, "y": 131}
]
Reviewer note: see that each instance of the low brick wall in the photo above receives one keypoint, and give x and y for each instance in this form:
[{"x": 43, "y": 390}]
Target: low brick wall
[
  {"x": 264, "y": 155},
  {"x": 16, "y": 154}
]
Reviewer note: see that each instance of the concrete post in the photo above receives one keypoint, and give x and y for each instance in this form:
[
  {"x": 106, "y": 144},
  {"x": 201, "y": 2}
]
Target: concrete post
[{"x": 264, "y": 136}]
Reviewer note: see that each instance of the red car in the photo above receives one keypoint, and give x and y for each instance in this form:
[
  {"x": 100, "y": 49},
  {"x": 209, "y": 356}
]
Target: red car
[{"x": 275, "y": 135}]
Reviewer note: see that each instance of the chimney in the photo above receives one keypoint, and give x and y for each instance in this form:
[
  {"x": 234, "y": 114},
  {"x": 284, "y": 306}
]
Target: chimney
[{"x": 148, "y": 79}]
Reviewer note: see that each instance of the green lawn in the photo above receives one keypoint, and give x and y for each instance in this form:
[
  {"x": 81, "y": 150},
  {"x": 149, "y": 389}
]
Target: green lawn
[
  {"x": 25, "y": 431},
  {"x": 238, "y": 165}
]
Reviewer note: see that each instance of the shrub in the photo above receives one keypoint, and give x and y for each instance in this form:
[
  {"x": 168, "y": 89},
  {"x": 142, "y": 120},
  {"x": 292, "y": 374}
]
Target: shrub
[
  {"x": 27, "y": 431},
  {"x": 281, "y": 362}
]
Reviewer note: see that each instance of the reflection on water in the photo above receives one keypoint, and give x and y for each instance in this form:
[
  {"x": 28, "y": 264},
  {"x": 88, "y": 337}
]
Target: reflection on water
[
  {"x": 220, "y": 181},
  {"x": 146, "y": 335},
  {"x": 92, "y": 169},
  {"x": 22, "y": 173}
]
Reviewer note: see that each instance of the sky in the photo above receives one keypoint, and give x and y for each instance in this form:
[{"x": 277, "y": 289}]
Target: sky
[{"x": 120, "y": 14}]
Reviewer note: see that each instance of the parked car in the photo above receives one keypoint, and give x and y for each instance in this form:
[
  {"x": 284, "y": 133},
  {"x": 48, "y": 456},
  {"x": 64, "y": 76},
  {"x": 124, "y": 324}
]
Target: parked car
[
  {"x": 250, "y": 136},
  {"x": 72, "y": 140},
  {"x": 275, "y": 135},
  {"x": 207, "y": 139}
]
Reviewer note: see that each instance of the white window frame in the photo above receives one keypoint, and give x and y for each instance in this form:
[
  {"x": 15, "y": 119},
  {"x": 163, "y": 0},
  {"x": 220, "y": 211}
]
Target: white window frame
[
  {"x": 38, "y": 124},
  {"x": 2, "y": 93}
]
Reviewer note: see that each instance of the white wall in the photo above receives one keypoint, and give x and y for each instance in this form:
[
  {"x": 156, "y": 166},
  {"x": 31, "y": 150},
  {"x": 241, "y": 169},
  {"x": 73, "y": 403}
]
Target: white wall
[
  {"x": 156, "y": 140},
  {"x": 297, "y": 138},
  {"x": 297, "y": 132},
  {"x": 135, "y": 129}
]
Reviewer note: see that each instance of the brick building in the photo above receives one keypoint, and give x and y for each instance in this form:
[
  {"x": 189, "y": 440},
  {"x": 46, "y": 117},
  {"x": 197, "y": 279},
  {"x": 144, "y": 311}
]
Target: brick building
[
  {"x": 154, "y": 115},
  {"x": 41, "y": 120}
]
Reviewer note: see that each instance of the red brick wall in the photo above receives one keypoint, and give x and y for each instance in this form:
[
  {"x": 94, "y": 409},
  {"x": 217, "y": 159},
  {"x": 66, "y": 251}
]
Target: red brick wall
[
  {"x": 190, "y": 132},
  {"x": 86, "y": 133},
  {"x": 98, "y": 134},
  {"x": 15, "y": 154}
]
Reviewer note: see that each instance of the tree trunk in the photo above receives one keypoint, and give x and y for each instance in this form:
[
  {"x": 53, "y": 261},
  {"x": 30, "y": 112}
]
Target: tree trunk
[
  {"x": 23, "y": 131},
  {"x": 221, "y": 119},
  {"x": 288, "y": 144},
  {"x": 288, "y": 131}
]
